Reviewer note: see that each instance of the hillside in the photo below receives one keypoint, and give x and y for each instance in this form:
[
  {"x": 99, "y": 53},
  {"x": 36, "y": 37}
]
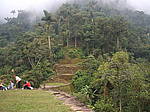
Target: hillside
[{"x": 101, "y": 48}]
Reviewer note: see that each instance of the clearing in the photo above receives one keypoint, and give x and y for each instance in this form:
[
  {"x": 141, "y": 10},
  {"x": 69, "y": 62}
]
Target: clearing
[{"x": 30, "y": 101}]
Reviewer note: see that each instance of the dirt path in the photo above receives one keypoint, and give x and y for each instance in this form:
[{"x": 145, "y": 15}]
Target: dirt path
[
  {"x": 66, "y": 72},
  {"x": 71, "y": 101}
]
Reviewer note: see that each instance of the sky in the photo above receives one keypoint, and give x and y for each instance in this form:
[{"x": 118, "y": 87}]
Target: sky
[
  {"x": 143, "y": 5},
  {"x": 6, "y": 6}
]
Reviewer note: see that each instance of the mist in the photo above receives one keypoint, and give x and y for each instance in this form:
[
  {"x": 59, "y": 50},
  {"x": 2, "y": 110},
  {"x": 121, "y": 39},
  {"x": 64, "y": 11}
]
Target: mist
[
  {"x": 37, "y": 6},
  {"x": 142, "y": 5}
]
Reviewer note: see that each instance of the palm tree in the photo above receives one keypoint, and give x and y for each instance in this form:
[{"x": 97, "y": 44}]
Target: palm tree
[
  {"x": 49, "y": 20},
  {"x": 13, "y": 12}
]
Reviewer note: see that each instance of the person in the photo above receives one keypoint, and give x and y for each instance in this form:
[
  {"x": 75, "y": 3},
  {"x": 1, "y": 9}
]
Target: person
[
  {"x": 2, "y": 87},
  {"x": 11, "y": 86},
  {"x": 18, "y": 81},
  {"x": 27, "y": 85}
]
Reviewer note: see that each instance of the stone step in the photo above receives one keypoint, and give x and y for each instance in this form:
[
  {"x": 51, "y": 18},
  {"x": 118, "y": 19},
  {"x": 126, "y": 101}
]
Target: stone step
[
  {"x": 66, "y": 68},
  {"x": 57, "y": 86},
  {"x": 72, "y": 102},
  {"x": 66, "y": 77},
  {"x": 61, "y": 78},
  {"x": 70, "y": 61}
]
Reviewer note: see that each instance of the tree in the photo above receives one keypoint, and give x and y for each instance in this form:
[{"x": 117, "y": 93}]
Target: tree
[
  {"x": 127, "y": 80},
  {"x": 49, "y": 19},
  {"x": 13, "y": 12}
]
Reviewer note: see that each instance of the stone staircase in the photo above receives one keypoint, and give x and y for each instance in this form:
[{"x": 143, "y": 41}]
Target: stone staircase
[
  {"x": 64, "y": 74},
  {"x": 72, "y": 102},
  {"x": 66, "y": 68}
]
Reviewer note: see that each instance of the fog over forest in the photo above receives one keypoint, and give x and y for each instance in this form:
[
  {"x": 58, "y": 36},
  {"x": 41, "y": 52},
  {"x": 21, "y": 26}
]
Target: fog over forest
[
  {"x": 97, "y": 52},
  {"x": 37, "y": 6}
]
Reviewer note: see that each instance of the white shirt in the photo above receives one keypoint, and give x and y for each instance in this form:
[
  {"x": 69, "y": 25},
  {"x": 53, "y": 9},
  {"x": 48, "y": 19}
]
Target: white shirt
[{"x": 18, "y": 79}]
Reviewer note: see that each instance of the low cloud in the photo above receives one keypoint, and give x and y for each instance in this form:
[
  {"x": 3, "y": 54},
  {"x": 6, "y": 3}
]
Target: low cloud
[{"x": 6, "y": 6}]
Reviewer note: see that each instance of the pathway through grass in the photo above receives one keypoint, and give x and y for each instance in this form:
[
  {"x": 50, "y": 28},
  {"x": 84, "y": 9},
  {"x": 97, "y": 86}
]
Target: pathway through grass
[{"x": 30, "y": 101}]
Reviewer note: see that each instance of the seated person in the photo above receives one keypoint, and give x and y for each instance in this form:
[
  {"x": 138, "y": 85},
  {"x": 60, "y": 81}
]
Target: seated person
[
  {"x": 27, "y": 85},
  {"x": 11, "y": 86},
  {"x": 2, "y": 87}
]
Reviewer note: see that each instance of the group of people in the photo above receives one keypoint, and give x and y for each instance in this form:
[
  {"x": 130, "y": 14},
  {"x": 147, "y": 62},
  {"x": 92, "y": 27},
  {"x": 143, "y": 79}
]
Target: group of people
[{"x": 27, "y": 84}]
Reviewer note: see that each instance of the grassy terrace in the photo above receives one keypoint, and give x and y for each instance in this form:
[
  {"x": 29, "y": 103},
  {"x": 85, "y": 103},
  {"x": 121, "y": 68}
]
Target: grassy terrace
[
  {"x": 30, "y": 101},
  {"x": 54, "y": 84}
]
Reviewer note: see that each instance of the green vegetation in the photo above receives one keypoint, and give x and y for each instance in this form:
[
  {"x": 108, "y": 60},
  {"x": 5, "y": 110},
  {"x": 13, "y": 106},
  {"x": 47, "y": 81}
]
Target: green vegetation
[
  {"x": 67, "y": 88},
  {"x": 30, "y": 101},
  {"x": 112, "y": 47},
  {"x": 117, "y": 85}
]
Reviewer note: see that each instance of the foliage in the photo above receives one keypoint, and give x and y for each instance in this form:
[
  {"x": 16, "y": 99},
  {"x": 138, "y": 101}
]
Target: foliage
[
  {"x": 90, "y": 64},
  {"x": 91, "y": 30},
  {"x": 84, "y": 77},
  {"x": 104, "y": 106},
  {"x": 73, "y": 52},
  {"x": 58, "y": 53},
  {"x": 116, "y": 79},
  {"x": 39, "y": 73},
  {"x": 81, "y": 80}
]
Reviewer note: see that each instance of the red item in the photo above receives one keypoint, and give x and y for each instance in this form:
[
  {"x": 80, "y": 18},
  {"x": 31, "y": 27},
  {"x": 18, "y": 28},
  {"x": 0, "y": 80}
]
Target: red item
[{"x": 28, "y": 84}]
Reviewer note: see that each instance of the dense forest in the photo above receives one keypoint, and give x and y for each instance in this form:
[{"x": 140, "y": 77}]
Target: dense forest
[{"x": 114, "y": 43}]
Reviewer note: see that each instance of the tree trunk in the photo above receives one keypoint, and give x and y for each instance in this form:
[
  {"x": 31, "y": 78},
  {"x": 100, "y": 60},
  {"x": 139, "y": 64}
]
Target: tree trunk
[
  {"x": 105, "y": 91},
  {"x": 69, "y": 32},
  {"x": 75, "y": 42},
  {"x": 120, "y": 104},
  {"x": 67, "y": 42},
  {"x": 87, "y": 48},
  {"x": 139, "y": 107},
  {"x": 49, "y": 44},
  {"x": 118, "y": 44},
  {"x": 120, "y": 99}
]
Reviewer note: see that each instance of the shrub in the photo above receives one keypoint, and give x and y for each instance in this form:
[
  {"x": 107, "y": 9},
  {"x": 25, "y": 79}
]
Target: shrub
[
  {"x": 81, "y": 79},
  {"x": 58, "y": 53},
  {"x": 90, "y": 64},
  {"x": 73, "y": 53},
  {"x": 39, "y": 73},
  {"x": 104, "y": 106}
]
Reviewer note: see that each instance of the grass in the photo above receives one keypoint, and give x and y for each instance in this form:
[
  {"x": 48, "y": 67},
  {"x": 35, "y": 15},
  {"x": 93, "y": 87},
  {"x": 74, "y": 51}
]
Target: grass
[
  {"x": 54, "y": 84},
  {"x": 68, "y": 89},
  {"x": 68, "y": 60},
  {"x": 30, "y": 101}
]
